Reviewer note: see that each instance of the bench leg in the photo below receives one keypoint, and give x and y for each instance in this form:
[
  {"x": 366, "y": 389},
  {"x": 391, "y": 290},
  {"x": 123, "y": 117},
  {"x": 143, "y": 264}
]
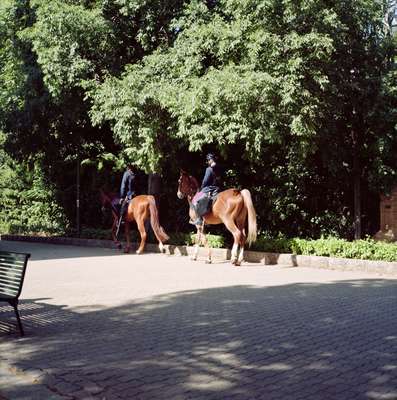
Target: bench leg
[{"x": 15, "y": 305}]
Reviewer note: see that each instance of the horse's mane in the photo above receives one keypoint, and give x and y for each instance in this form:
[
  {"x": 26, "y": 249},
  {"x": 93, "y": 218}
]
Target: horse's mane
[
  {"x": 195, "y": 181},
  {"x": 108, "y": 196}
]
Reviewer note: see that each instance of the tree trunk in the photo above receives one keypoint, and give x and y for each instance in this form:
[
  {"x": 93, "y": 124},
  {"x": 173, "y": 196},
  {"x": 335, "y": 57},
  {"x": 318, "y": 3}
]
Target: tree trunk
[{"x": 357, "y": 188}]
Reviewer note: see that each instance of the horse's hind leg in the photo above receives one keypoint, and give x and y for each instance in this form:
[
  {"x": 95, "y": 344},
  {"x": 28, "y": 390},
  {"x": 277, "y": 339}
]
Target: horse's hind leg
[
  {"x": 240, "y": 258},
  {"x": 231, "y": 226},
  {"x": 142, "y": 231},
  {"x": 243, "y": 238}
]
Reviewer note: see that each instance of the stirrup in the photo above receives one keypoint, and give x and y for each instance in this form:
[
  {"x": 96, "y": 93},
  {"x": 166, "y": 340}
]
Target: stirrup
[{"x": 197, "y": 222}]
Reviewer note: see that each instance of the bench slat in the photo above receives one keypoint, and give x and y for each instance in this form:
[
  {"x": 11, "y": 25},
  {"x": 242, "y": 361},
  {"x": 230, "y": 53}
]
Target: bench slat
[
  {"x": 10, "y": 273},
  {"x": 12, "y": 259},
  {"x": 13, "y": 271},
  {"x": 10, "y": 282},
  {"x": 9, "y": 293},
  {"x": 11, "y": 262},
  {"x": 9, "y": 286}
]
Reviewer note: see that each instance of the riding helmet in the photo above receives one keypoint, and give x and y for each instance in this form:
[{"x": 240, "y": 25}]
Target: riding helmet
[{"x": 210, "y": 156}]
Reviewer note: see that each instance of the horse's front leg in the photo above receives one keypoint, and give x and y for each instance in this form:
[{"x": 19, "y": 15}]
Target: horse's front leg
[
  {"x": 207, "y": 246},
  {"x": 127, "y": 231},
  {"x": 114, "y": 230},
  {"x": 198, "y": 241}
]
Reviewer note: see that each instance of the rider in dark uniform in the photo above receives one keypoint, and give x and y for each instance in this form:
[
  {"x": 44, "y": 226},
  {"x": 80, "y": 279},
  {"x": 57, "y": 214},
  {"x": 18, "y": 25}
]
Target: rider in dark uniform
[
  {"x": 127, "y": 189},
  {"x": 211, "y": 181},
  {"x": 211, "y": 184}
]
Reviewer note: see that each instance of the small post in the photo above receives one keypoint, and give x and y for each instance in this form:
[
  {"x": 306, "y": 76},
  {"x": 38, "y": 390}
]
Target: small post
[{"x": 78, "y": 228}]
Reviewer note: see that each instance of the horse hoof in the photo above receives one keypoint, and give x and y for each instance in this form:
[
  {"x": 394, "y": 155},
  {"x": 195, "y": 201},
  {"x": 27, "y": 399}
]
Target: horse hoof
[
  {"x": 118, "y": 246},
  {"x": 208, "y": 261},
  {"x": 139, "y": 252},
  {"x": 193, "y": 258},
  {"x": 127, "y": 250}
]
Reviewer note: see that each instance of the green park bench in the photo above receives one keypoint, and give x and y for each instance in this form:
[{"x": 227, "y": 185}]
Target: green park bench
[{"x": 12, "y": 274}]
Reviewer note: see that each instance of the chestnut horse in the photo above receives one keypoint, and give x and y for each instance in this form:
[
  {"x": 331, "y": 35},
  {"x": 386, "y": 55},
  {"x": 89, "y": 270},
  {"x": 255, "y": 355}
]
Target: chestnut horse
[
  {"x": 232, "y": 207},
  {"x": 139, "y": 209}
]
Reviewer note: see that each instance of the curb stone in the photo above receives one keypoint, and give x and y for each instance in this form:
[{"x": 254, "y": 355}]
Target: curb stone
[{"x": 256, "y": 257}]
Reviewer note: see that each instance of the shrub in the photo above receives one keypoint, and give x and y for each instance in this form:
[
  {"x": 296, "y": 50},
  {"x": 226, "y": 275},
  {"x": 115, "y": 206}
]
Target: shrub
[
  {"x": 189, "y": 239},
  {"x": 27, "y": 199}
]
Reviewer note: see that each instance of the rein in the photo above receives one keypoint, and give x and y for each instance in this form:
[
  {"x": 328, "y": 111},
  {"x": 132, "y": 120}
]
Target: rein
[{"x": 193, "y": 186}]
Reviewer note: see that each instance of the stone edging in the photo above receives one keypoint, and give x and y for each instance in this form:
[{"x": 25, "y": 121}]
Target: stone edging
[{"x": 262, "y": 258}]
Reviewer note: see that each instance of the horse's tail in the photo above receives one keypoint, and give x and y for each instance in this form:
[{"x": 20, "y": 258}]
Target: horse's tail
[
  {"x": 154, "y": 221},
  {"x": 252, "y": 229}
]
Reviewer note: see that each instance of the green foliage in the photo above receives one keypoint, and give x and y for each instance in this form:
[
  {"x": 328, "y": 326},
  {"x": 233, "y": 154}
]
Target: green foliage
[
  {"x": 217, "y": 84},
  {"x": 72, "y": 43},
  {"x": 189, "y": 239},
  {"x": 272, "y": 245},
  {"x": 27, "y": 200},
  {"x": 367, "y": 249},
  {"x": 297, "y": 97},
  {"x": 181, "y": 239}
]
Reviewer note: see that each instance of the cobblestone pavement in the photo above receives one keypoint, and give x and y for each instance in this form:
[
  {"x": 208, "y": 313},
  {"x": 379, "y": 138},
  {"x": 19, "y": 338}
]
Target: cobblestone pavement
[{"x": 103, "y": 325}]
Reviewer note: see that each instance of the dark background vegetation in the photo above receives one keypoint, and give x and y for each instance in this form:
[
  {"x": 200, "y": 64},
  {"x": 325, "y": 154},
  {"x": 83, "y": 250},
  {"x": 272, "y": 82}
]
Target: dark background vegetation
[{"x": 298, "y": 99}]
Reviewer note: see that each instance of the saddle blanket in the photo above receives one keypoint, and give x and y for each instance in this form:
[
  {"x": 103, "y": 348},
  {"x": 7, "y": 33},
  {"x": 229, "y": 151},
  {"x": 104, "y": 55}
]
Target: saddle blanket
[{"x": 202, "y": 203}]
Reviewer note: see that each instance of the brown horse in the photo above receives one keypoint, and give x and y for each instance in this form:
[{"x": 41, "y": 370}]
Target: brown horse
[
  {"x": 139, "y": 210},
  {"x": 232, "y": 207}
]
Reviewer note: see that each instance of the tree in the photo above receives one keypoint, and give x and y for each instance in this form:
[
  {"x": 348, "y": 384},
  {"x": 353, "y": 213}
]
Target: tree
[{"x": 298, "y": 97}]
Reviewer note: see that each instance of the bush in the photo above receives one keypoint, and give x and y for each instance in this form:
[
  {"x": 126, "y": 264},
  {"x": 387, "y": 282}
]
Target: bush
[
  {"x": 189, "y": 239},
  {"x": 27, "y": 200},
  {"x": 366, "y": 249}
]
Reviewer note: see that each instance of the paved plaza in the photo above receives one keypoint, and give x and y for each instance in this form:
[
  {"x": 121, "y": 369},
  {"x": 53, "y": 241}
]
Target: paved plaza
[{"x": 103, "y": 325}]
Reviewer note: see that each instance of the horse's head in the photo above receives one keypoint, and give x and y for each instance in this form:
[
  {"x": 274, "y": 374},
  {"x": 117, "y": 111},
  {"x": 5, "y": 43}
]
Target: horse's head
[
  {"x": 107, "y": 200},
  {"x": 187, "y": 185}
]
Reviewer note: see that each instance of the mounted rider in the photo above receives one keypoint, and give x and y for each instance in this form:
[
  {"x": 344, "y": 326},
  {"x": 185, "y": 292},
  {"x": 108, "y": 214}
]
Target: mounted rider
[
  {"x": 212, "y": 178},
  {"x": 127, "y": 191},
  {"x": 210, "y": 187},
  {"x": 128, "y": 183}
]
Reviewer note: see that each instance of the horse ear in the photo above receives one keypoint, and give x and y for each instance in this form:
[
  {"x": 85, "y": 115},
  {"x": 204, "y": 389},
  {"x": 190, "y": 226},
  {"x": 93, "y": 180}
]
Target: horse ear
[{"x": 183, "y": 172}]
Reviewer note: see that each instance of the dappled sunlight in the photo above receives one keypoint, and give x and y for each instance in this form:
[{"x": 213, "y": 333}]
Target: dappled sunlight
[
  {"x": 205, "y": 382},
  {"x": 230, "y": 341},
  {"x": 274, "y": 367}
]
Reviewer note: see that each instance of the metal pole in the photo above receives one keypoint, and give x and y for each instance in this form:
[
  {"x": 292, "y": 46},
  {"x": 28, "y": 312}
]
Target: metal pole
[{"x": 78, "y": 228}]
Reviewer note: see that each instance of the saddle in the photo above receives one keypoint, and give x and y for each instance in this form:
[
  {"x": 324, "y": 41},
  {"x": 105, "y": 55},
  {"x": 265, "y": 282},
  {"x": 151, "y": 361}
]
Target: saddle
[
  {"x": 116, "y": 206},
  {"x": 203, "y": 201}
]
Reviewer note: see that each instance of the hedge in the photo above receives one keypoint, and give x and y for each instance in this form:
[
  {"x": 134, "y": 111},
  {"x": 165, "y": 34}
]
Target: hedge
[{"x": 366, "y": 249}]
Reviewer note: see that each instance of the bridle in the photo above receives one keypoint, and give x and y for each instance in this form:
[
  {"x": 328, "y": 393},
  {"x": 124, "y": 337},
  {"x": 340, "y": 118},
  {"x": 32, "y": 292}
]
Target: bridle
[{"x": 191, "y": 184}]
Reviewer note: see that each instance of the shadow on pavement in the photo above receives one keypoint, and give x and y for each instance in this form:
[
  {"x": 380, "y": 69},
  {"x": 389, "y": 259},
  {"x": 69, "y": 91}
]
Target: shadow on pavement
[
  {"x": 297, "y": 341},
  {"x": 45, "y": 251}
]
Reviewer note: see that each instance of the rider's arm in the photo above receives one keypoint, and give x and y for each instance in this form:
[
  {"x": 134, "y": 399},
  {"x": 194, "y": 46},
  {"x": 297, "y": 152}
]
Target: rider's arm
[
  {"x": 131, "y": 184},
  {"x": 123, "y": 186},
  {"x": 207, "y": 178}
]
